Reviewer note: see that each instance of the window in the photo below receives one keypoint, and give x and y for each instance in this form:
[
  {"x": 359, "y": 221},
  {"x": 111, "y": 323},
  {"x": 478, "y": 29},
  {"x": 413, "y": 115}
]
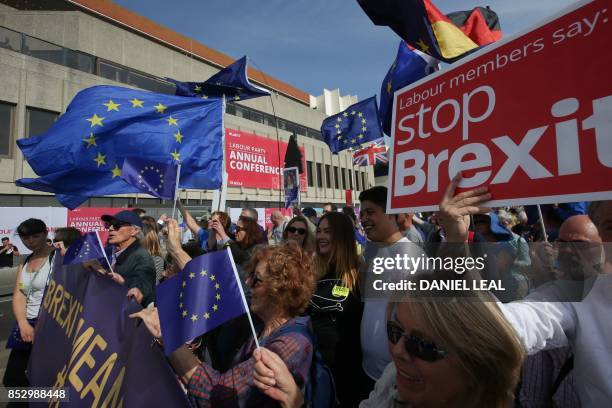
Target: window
[
  {"x": 357, "y": 180},
  {"x": 38, "y": 121},
  {"x": 81, "y": 61},
  {"x": 319, "y": 176},
  {"x": 112, "y": 72},
  {"x": 230, "y": 109},
  {"x": 344, "y": 179},
  {"x": 149, "y": 83},
  {"x": 309, "y": 174},
  {"x": 7, "y": 112},
  {"x": 43, "y": 50},
  {"x": 363, "y": 180},
  {"x": 336, "y": 181},
  {"x": 11, "y": 40},
  {"x": 328, "y": 175},
  {"x": 351, "y": 178}
]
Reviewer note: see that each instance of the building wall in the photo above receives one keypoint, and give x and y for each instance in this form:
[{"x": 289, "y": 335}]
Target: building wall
[{"x": 30, "y": 82}]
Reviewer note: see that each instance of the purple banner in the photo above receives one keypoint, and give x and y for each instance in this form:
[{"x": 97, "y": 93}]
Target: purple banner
[{"x": 86, "y": 342}]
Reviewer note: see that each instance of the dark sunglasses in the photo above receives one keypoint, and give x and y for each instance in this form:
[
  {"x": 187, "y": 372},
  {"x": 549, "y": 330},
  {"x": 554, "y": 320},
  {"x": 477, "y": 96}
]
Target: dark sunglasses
[
  {"x": 255, "y": 280},
  {"x": 294, "y": 230},
  {"x": 414, "y": 345},
  {"x": 238, "y": 229},
  {"x": 116, "y": 224}
]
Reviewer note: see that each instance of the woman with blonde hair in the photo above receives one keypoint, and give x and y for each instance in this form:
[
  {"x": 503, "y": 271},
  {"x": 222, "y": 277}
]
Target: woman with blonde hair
[
  {"x": 150, "y": 242},
  {"x": 447, "y": 352},
  {"x": 335, "y": 307}
]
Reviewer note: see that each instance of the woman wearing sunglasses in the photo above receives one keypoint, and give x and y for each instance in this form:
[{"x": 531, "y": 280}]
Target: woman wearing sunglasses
[
  {"x": 300, "y": 230},
  {"x": 335, "y": 307},
  {"x": 446, "y": 353},
  {"x": 32, "y": 278}
]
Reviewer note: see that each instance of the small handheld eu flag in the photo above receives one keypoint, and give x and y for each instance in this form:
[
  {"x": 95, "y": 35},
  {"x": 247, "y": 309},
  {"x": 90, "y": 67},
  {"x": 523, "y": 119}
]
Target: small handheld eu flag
[
  {"x": 86, "y": 248},
  {"x": 157, "y": 179},
  {"x": 204, "y": 295}
]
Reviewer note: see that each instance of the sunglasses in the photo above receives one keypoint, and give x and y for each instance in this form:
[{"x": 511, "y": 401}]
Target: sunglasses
[
  {"x": 238, "y": 229},
  {"x": 255, "y": 280},
  {"x": 116, "y": 224},
  {"x": 414, "y": 345},
  {"x": 294, "y": 230}
]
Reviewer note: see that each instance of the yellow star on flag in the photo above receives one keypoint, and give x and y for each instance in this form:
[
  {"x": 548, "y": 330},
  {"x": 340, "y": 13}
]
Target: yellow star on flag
[
  {"x": 160, "y": 108},
  {"x": 424, "y": 47},
  {"x": 339, "y": 137},
  {"x": 116, "y": 171},
  {"x": 353, "y": 113},
  {"x": 364, "y": 128},
  {"x": 194, "y": 317},
  {"x": 100, "y": 159},
  {"x": 136, "y": 103},
  {"x": 360, "y": 114},
  {"x": 345, "y": 114},
  {"x": 216, "y": 286},
  {"x": 337, "y": 126},
  {"x": 215, "y": 307},
  {"x": 178, "y": 136},
  {"x": 212, "y": 277},
  {"x": 353, "y": 141},
  {"x": 363, "y": 121},
  {"x": 185, "y": 313},
  {"x": 91, "y": 140},
  {"x": 389, "y": 87},
  {"x": 339, "y": 119},
  {"x": 207, "y": 315},
  {"x": 184, "y": 283},
  {"x": 218, "y": 296},
  {"x": 197, "y": 88},
  {"x": 191, "y": 275},
  {"x": 95, "y": 120},
  {"x": 237, "y": 97},
  {"x": 175, "y": 155},
  {"x": 110, "y": 106},
  {"x": 203, "y": 273},
  {"x": 204, "y": 96},
  {"x": 181, "y": 305},
  {"x": 172, "y": 121},
  {"x": 360, "y": 136}
]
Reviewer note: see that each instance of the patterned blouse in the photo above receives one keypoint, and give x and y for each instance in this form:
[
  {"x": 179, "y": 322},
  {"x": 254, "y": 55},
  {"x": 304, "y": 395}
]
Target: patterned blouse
[{"x": 235, "y": 387}]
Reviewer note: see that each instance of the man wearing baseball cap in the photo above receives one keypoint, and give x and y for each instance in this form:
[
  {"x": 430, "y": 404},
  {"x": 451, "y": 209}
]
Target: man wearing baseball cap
[{"x": 133, "y": 266}]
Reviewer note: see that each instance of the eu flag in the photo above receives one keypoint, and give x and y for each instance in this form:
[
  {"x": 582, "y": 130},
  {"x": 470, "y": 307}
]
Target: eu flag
[
  {"x": 407, "y": 68},
  {"x": 422, "y": 25},
  {"x": 86, "y": 248},
  {"x": 201, "y": 297},
  {"x": 232, "y": 81},
  {"x": 356, "y": 125},
  {"x": 157, "y": 179},
  {"x": 82, "y": 154}
]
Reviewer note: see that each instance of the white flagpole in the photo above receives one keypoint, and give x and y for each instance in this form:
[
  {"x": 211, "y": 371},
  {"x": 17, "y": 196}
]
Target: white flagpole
[
  {"x": 542, "y": 224},
  {"x": 104, "y": 252},
  {"x": 176, "y": 190},
  {"x": 244, "y": 302}
]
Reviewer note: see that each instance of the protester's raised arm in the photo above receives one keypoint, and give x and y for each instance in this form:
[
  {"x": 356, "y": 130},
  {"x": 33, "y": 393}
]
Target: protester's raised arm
[
  {"x": 193, "y": 226},
  {"x": 174, "y": 244}
]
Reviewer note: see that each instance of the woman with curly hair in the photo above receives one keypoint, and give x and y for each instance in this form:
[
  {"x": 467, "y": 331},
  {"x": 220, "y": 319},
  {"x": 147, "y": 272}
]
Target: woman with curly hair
[{"x": 281, "y": 281}]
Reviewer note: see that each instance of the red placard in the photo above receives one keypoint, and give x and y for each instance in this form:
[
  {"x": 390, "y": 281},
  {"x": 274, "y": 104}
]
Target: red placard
[
  {"x": 88, "y": 219},
  {"x": 348, "y": 197},
  {"x": 253, "y": 161},
  {"x": 528, "y": 116}
]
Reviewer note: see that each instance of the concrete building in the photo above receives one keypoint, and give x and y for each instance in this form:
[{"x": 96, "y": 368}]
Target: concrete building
[{"x": 50, "y": 50}]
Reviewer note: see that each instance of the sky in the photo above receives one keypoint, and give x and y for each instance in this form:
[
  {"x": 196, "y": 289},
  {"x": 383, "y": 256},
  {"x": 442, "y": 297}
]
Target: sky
[{"x": 313, "y": 44}]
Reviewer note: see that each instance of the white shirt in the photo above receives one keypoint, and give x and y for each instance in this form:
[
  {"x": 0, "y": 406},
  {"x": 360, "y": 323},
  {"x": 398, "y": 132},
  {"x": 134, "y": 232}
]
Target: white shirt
[
  {"x": 374, "y": 343},
  {"x": 586, "y": 326},
  {"x": 32, "y": 285}
]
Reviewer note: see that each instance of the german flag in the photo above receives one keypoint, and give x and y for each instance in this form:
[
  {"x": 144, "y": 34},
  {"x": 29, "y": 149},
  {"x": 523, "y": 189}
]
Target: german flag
[
  {"x": 481, "y": 24},
  {"x": 423, "y": 26}
]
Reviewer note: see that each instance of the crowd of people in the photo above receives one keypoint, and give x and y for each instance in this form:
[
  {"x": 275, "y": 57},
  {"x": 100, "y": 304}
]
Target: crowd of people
[{"x": 305, "y": 280}]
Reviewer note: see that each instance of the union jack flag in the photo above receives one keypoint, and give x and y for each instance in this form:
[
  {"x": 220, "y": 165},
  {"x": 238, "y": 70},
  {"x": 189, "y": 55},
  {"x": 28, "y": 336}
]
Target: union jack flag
[{"x": 371, "y": 155}]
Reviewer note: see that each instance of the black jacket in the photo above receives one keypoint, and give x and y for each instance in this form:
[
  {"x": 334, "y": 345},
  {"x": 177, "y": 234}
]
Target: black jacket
[{"x": 136, "y": 266}]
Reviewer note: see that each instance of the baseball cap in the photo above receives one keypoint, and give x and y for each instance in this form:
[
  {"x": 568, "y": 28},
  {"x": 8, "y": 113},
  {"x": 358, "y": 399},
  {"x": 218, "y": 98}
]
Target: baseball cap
[{"x": 127, "y": 216}]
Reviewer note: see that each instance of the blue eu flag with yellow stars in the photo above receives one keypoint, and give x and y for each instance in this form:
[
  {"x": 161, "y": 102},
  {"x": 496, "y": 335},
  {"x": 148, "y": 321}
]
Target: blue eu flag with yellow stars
[
  {"x": 85, "y": 248},
  {"x": 204, "y": 295},
  {"x": 409, "y": 66},
  {"x": 157, "y": 179},
  {"x": 82, "y": 154},
  {"x": 356, "y": 125},
  {"x": 232, "y": 81}
]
